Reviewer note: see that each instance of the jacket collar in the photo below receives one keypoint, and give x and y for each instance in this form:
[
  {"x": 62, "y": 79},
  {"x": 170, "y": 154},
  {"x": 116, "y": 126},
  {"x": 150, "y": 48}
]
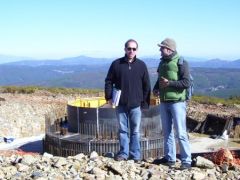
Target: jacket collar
[
  {"x": 168, "y": 58},
  {"x": 126, "y": 59}
]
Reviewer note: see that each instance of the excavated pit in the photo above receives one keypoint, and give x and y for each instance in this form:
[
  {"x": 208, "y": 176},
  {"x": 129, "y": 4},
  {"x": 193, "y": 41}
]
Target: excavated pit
[
  {"x": 96, "y": 129},
  {"x": 212, "y": 125}
]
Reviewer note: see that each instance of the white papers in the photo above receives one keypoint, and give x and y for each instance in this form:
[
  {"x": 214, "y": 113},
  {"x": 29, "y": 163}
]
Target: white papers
[{"x": 116, "y": 97}]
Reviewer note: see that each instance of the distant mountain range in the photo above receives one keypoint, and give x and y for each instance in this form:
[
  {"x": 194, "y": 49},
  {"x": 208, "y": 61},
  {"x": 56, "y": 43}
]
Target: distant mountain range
[
  {"x": 7, "y": 59},
  {"x": 211, "y": 77},
  {"x": 79, "y": 60},
  {"x": 151, "y": 62},
  {"x": 216, "y": 63}
]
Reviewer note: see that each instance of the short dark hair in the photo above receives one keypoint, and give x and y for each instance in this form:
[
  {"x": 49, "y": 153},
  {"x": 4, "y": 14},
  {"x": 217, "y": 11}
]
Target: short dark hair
[{"x": 130, "y": 40}]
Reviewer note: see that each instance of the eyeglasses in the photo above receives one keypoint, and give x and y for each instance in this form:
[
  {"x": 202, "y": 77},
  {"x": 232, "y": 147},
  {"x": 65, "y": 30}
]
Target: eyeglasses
[{"x": 129, "y": 49}]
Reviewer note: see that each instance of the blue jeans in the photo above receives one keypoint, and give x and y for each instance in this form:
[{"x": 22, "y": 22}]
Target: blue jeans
[
  {"x": 174, "y": 114},
  {"x": 129, "y": 123}
]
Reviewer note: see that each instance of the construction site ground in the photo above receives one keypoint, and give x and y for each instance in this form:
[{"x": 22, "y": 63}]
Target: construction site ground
[
  {"x": 204, "y": 143},
  {"x": 40, "y": 99},
  {"x": 199, "y": 143}
]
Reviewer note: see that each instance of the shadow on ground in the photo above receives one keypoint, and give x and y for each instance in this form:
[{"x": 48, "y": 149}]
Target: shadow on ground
[{"x": 35, "y": 147}]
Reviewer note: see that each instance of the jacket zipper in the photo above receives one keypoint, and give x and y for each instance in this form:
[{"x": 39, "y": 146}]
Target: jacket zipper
[{"x": 129, "y": 66}]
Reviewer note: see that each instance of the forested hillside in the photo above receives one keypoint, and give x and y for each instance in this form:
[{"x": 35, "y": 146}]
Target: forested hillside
[{"x": 207, "y": 81}]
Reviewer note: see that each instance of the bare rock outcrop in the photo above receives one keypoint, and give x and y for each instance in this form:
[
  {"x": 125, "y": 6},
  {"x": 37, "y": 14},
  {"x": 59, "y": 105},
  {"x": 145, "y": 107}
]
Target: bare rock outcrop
[{"x": 23, "y": 115}]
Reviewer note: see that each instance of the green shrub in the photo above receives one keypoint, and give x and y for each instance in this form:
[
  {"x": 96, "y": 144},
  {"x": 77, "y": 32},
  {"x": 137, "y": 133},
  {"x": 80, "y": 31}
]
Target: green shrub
[
  {"x": 19, "y": 89},
  {"x": 60, "y": 90},
  {"x": 54, "y": 90},
  {"x": 214, "y": 100},
  {"x": 70, "y": 91}
]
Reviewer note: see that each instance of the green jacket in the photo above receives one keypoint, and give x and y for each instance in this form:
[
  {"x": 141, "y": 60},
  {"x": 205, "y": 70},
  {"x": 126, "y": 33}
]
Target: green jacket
[{"x": 169, "y": 69}]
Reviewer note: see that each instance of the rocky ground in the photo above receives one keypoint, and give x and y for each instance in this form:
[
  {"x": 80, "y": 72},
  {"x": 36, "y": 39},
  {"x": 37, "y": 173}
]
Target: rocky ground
[
  {"x": 199, "y": 111},
  {"x": 25, "y": 115},
  {"x": 31, "y": 166}
]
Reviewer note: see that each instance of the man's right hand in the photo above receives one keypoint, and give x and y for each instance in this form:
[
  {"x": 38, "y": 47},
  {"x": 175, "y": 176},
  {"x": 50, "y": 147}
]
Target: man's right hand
[{"x": 109, "y": 102}]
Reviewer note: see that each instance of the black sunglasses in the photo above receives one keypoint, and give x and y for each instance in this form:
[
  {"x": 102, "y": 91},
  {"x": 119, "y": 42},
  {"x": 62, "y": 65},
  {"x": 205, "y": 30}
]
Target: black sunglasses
[{"x": 129, "y": 49}]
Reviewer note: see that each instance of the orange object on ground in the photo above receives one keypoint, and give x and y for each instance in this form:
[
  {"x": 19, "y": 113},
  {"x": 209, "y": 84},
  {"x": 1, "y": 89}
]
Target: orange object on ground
[{"x": 224, "y": 156}]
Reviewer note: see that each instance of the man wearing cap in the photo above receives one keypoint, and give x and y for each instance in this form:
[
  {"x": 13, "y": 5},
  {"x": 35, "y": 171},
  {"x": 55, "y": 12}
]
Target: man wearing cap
[{"x": 173, "y": 80}]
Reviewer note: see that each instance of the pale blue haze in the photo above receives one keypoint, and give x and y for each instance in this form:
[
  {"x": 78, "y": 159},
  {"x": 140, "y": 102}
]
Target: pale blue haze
[{"x": 99, "y": 28}]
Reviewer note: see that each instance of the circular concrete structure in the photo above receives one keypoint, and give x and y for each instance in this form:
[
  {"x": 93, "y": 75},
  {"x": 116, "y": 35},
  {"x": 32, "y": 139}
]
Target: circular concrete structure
[{"x": 96, "y": 129}]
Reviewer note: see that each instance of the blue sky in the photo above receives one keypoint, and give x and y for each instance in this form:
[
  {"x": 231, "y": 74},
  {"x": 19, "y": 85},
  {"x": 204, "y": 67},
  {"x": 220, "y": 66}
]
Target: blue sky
[{"x": 99, "y": 28}]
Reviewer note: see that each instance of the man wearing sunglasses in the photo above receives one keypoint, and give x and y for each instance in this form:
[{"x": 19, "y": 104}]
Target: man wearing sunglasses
[
  {"x": 130, "y": 75},
  {"x": 173, "y": 80}
]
